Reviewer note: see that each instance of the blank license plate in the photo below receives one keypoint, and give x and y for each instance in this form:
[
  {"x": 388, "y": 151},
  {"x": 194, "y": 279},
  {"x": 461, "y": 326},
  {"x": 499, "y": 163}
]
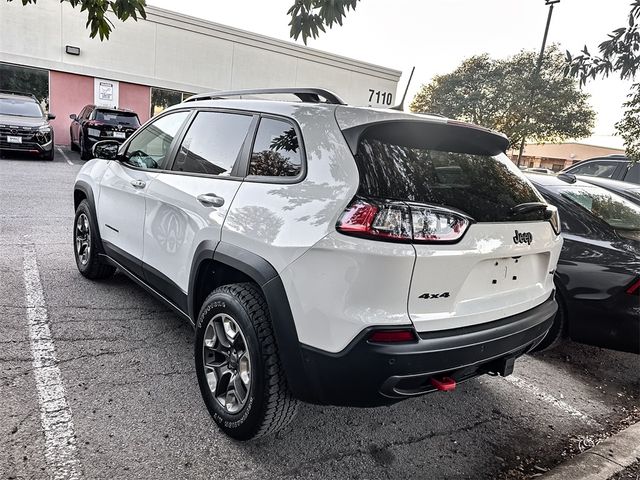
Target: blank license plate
[
  {"x": 14, "y": 139},
  {"x": 119, "y": 134}
]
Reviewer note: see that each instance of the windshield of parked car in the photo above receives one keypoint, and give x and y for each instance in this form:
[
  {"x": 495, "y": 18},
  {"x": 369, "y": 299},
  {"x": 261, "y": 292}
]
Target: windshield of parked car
[
  {"x": 112, "y": 117},
  {"x": 616, "y": 211},
  {"x": 486, "y": 187},
  {"x": 20, "y": 108}
]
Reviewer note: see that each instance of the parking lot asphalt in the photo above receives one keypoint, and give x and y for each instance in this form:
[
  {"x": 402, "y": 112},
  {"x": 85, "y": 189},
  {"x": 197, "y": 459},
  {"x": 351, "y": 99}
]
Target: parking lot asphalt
[{"x": 126, "y": 364}]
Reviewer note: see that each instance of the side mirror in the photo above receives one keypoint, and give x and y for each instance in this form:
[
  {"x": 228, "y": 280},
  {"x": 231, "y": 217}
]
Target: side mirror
[
  {"x": 73, "y": 116},
  {"x": 50, "y": 116},
  {"x": 106, "y": 149}
]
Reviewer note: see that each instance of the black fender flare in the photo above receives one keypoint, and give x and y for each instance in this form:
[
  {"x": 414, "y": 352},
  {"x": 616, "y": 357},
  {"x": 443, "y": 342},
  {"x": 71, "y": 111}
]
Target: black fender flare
[
  {"x": 86, "y": 189},
  {"x": 267, "y": 278}
]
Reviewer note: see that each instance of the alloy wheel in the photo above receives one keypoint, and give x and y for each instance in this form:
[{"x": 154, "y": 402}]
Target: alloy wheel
[
  {"x": 83, "y": 238},
  {"x": 227, "y": 363}
]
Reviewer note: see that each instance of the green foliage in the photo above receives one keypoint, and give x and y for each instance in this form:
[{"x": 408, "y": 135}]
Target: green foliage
[
  {"x": 310, "y": 17},
  {"x": 619, "y": 54},
  {"x": 629, "y": 127},
  {"x": 504, "y": 95},
  {"x": 98, "y": 22},
  {"x": 25, "y": 80}
]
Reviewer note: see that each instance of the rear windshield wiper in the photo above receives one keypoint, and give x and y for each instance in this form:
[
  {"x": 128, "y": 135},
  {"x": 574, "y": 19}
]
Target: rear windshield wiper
[{"x": 528, "y": 207}]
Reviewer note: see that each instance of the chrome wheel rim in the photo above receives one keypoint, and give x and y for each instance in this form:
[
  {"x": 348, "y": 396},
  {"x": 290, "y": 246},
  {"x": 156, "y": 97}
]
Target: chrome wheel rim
[
  {"x": 83, "y": 239},
  {"x": 227, "y": 364}
]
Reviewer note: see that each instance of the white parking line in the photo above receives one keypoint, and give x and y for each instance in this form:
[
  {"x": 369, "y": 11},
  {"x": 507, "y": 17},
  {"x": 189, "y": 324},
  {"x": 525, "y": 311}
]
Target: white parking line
[
  {"x": 564, "y": 406},
  {"x": 65, "y": 156},
  {"x": 55, "y": 414}
]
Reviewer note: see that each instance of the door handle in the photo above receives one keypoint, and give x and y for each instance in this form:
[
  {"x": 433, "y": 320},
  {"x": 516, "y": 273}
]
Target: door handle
[
  {"x": 210, "y": 200},
  {"x": 138, "y": 184}
]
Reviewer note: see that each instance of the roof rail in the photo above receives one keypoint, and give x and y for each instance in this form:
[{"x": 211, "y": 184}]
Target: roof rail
[
  {"x": 24, "y": 94},
  {"x": 311, "y": 95}
]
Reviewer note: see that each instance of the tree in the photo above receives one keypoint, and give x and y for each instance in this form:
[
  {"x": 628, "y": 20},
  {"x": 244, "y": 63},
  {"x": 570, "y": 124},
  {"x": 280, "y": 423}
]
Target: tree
[
  {"x": 619, "y": 54},
  {"x": 97, "y": 18},
  {"x": 308, "y": 17},
  {"x": 502, "y": 94}
]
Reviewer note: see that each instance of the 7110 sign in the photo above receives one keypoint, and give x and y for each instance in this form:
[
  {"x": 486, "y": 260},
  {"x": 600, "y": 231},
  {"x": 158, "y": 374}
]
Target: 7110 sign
[{"x": 382, "y": 98}]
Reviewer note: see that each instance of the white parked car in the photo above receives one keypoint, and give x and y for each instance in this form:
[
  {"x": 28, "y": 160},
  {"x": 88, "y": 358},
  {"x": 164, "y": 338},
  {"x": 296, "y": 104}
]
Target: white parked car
[{"x": 323, "y": 252}]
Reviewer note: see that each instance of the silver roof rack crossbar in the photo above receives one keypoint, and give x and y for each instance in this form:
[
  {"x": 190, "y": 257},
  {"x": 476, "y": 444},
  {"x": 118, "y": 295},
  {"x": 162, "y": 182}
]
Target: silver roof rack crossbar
[{"x": 311, "y": 95}]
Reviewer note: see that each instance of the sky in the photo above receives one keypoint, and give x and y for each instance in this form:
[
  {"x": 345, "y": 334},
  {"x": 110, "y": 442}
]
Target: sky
[{"x": 435, "y": 36}]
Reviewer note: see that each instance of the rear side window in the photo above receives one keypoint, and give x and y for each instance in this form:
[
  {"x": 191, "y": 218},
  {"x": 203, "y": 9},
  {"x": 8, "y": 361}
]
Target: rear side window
[
  {"x": 128, "y": 119},
  {"x": 213, "y": 143},
  {"x": 483, "y": 186},
  {"x": 276, "y": 150},
  {"x": 633, "y": 174},
  {"x": 603, "y": 168}
]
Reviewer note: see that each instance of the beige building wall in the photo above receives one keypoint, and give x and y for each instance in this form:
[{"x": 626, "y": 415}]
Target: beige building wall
[
  {"x": 179, "y": 52},
  {"x": 556, "y": 156}
]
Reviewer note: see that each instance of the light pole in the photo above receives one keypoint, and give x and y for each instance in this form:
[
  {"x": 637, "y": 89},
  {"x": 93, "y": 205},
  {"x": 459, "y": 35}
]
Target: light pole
[{"x": 536, "y": 72}]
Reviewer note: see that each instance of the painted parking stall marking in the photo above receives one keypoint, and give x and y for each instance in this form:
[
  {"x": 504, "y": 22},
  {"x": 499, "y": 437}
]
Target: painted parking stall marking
[
  {"x": 55, "y": 413},
  {"x": 65, "y": 156},
  {"x": 559, "y": 404}
]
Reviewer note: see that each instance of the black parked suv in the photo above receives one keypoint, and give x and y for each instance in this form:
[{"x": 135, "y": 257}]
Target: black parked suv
[
  {"x": 95, "y": 123},
  {"x": 616, "y": 167},
  {"x": 24, "y": 127}
]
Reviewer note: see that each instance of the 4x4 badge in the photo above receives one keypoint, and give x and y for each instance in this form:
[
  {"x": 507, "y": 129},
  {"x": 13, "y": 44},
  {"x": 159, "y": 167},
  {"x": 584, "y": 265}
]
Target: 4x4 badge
[
  {"x": 523, "y": 237},
  {"x": 429, "y": 296}
]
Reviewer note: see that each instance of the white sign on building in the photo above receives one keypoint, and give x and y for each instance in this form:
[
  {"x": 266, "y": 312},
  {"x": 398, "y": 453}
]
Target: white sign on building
[{"x": 105, "y": 92}]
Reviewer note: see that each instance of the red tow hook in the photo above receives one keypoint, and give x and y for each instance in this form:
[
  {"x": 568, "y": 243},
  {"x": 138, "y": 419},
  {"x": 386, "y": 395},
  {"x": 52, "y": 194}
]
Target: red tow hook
[{"x": 444, "y": 384}]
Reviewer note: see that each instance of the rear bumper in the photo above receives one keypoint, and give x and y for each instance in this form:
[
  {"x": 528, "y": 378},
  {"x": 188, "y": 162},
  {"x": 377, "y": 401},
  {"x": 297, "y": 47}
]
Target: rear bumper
[{"x": 371, "y": 374}]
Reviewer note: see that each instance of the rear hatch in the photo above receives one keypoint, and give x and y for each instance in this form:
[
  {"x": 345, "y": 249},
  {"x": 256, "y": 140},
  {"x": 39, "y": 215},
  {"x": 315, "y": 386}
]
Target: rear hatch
[
  {"x": 114, "y": 124},
  {"x": 485, "y": 246}
]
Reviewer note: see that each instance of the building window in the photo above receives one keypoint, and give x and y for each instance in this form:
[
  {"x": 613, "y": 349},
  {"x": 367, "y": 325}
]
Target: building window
[
  {"x": 531, "y": 164},
  {"x": 34, "y": 81},
  {"x": 556, "y": 167},
  {"x": 162, "y": 98}
]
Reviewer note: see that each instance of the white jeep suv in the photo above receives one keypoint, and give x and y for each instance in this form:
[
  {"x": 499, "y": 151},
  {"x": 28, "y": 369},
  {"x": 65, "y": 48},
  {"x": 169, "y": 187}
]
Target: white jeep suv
[{"x": 323, "y": 252}]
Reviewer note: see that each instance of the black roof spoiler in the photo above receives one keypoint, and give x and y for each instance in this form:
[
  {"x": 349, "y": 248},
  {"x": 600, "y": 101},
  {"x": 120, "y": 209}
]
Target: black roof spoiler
[{"x": 450, "y": 135}]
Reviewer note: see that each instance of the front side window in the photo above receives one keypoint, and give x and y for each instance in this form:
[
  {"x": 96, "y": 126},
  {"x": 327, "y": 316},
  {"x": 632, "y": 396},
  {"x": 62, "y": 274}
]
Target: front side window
[
  {"x": 604, "y": 169},
  {"x": 276, "y": 150},
  {"x": 213, "y": 143},
  {"x": 150, "y": 148}
]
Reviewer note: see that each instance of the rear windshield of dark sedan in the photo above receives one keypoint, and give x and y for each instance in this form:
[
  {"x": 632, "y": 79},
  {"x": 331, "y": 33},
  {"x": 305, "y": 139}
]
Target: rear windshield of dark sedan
[
  {"x": 129, "y": 119},
  {"x": 616, "y": 211},
  {"x": 484, "y": 187}
]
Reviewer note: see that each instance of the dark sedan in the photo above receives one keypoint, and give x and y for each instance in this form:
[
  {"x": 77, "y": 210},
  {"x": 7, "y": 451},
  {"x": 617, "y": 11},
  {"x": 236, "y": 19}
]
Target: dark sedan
[
  {"x": 94, "y": 123},
  {"x": 597, "y": 279}
]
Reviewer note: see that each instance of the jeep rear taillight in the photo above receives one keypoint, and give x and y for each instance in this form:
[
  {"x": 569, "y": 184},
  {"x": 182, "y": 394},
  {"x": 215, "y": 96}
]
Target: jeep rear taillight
[{"x": 402, "y": 222}]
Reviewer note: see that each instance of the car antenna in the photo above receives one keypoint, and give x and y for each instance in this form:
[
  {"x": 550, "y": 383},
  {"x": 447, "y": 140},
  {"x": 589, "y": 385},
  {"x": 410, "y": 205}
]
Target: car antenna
[{"x": 400, "y": 106}]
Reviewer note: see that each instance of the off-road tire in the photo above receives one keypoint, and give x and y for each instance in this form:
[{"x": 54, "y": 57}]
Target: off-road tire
[
  {"x": 269, "y": 406},
  {"x": 95, "y": 268}
]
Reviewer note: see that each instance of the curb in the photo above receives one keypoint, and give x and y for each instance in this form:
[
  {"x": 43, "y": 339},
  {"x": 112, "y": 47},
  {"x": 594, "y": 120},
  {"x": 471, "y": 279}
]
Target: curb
[{"x": 602, "y": 461}]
